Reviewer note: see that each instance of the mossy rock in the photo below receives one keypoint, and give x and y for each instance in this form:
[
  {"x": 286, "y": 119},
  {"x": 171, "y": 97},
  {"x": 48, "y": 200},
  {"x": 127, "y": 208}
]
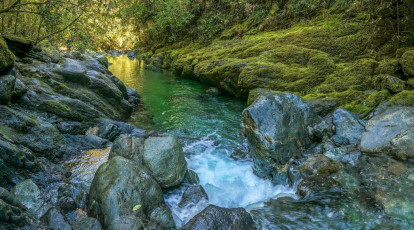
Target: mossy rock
[
  {"x": 405, "y": 98},
  {"x": 410, "y": 82},
  {"x": 6, "y": 57},
  {"x": 407, "y": 63},
  {"x": 50, "y": 51},
  {"x": 18, "y": 45},
  {"x": 389, "y": 82}
]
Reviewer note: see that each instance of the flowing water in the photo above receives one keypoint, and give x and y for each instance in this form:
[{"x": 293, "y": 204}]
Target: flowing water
[{"x": 209, "y": 127}]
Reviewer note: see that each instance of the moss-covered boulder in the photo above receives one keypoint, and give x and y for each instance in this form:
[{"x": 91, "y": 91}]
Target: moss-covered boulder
[
  {"x": 6, "y": 57},
  {"x": 407, "y": 63},
  {"x": 6, "y": 88},
  {"x": 389, "y": 82},
  {"x": 18, "y": 45}
]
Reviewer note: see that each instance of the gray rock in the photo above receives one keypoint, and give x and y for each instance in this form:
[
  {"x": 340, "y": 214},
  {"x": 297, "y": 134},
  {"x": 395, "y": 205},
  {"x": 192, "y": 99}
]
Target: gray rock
[
  {"x": 119, "y": 186},
  {"x": 133, "y": 96},
  {"x": 87, "y": 224},
  {"x": 348, "y": 126},
  {"x": 164, "y": 157},
  {"x": 19, "y": 88},
  {"x": 214, "y": 217},
  {"x": 276, "y": 129},
  {"x": 191, "y": 177},
  {"x": 390, "y": 132},
  {"x": 29, "y": 195},
  {"x": 6, "y": 88},
  {"x": 192, "y": 196},
  {"x": 55, "y": 220},
  {"x": 318, "y": 131},
  {"x": 129, "y": 147},
  {"x": 69, "y": 194}
]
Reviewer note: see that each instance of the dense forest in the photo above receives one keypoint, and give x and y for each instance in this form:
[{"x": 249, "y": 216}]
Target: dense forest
[{"x": 206, "y": 114}]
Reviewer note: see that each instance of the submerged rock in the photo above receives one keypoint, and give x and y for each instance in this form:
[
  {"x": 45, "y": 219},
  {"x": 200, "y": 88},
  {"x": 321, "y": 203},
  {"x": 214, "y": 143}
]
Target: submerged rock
[
  {"x": 390, "y": 132},
  {"x": 276, "y": 129},
  {"x": 214, "y": 217},
  {"x": 319, "y": 164},
  {"x": 124, "y": 195},
  {"x": 318, "y": 184},
  {"x": 87, "y": 224}
]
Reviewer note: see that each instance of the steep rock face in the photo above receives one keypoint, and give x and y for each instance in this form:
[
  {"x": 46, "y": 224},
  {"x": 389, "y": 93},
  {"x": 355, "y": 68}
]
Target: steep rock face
[
  {"x": 119, "y": 186},
  {"x": 214, "y": 217},
  {"x": 276, "y": 129},
  {"x": 391, "y": 133}
]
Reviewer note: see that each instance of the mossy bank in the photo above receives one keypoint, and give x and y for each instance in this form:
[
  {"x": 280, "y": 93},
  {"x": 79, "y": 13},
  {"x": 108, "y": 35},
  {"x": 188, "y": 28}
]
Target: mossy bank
[{"x": 346, "y": 56}]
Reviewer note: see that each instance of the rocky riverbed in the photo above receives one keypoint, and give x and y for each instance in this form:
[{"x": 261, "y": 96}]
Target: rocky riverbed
[{"x": 347, "y": 172}]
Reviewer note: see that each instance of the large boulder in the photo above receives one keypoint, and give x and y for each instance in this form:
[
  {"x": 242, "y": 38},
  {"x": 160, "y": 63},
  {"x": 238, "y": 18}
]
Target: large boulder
[
  {"x": 6, "y": 57},
  {"x": 29, "y": 195},
  {"x": 390, "y": 132},
  {"x": 347, "y": 126},
  {"x": 124, "y": 195},
  {"x": 164, "y": 157},
  {"x": 214, "y": 217},
  {"x": 276, "y": 129},
  {"x": 6, "y": 88},
  {"x": 129, "y": 147}
]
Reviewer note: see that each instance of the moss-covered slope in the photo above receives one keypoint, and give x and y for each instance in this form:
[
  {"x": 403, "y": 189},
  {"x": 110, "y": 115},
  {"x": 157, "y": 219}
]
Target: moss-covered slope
[{"x": 335, "y": 55}]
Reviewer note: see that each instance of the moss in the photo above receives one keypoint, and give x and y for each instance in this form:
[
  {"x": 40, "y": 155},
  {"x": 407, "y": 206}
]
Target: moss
[
  {"x": 255, "y": 93},
  {"x": 388, "y": 66},
  {"x": 389, "y": 82},
  {"x": 6, "y": 57},
  {"x": 59, "y": 108},
  {"x": 410, "y": 82},
  {"x": 405, "y": 98},
  {"x": 407, "y": 63}
]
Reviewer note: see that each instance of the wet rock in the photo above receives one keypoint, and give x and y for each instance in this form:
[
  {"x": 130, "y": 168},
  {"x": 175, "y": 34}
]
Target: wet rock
[
  {"x": 319, "y": 164},
  {"x": 55, "y": 220},
  {"x": 192, "y": 196},
  {"x": 389, "y": 82},
  {"x": 6, "y": 88},
  {"x": 133, "y": 96},
  {"x": 164, "y": 157},
  {"x": 317, "y": 184},
  {"x": 340, "y": 140},
  {"x": 7, "y": 57},
  {"x": 276, "y": 129},
  {"x": 129, "y": 147},
  {"x": 214, "y": 217},
  {"x": 348, "y": 126},
  {"x": 390, "y": 132},
  {"x": 212, "y": 91},
  {"x": 119, "y": 187},
  {"x": 87, "y": 224},
  {"x": 70, "y": 197},
  {"x": 9, "y": 198},
  {"x": 191, "y": 177},
  {"x": 103, "y": 60},
  {"x": 9, "y": 213},
  {"x": 110, "y": 130},
  {"x": 29, "y": 195}
]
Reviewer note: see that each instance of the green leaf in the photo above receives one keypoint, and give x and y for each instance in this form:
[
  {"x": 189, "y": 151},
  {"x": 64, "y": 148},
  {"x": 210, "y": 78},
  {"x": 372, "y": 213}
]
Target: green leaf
[{"x": 136, "y": 207}]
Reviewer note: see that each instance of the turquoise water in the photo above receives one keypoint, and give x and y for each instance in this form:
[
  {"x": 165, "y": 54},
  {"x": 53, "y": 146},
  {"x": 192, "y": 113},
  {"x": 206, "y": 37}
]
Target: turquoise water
[{"x": 210, "y": 127}]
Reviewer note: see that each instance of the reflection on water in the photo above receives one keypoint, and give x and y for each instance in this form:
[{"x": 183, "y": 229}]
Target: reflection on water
[{"x": 84, "y": 166}]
